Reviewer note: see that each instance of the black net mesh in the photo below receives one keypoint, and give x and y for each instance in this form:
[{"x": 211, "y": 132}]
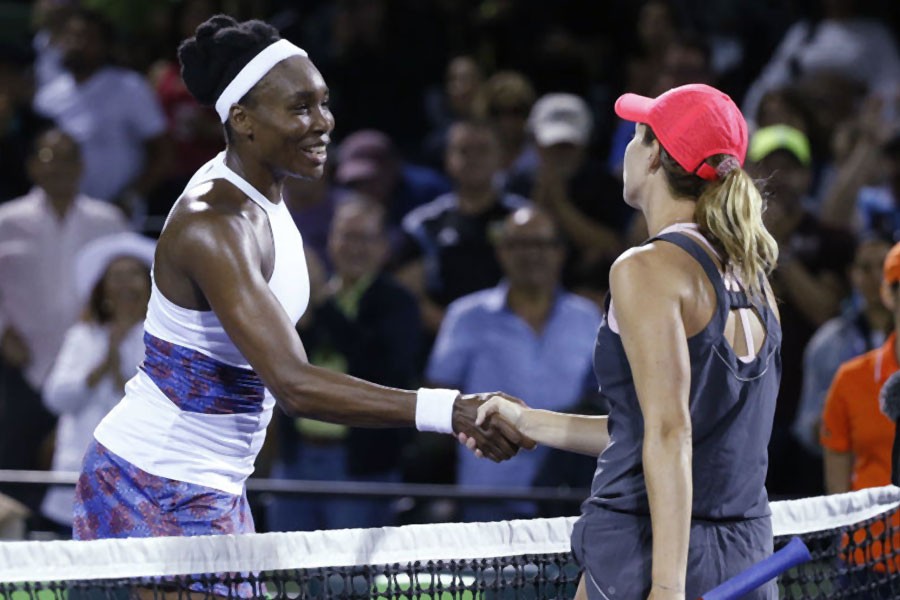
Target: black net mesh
[
  {"x": 854, "y": 561},
  {"x": 528, "y": 576},
  {"x": 851, "y": 558}
]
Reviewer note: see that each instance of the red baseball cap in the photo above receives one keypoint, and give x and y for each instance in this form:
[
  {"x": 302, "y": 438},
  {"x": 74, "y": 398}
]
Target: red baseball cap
[{"x": 692, "y": 122}]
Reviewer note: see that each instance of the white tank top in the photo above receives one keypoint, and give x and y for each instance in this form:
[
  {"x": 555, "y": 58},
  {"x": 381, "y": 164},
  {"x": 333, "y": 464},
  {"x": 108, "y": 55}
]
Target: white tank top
[{"x": 215, "y": 450}]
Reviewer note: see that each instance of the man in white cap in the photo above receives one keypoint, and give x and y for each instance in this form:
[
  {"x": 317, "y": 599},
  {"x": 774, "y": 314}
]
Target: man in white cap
[{"x": 584, "y": 201}]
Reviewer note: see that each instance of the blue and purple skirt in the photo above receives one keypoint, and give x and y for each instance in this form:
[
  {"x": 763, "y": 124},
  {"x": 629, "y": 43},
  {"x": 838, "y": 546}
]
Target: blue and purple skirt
[{"x": 115, "y": 499}]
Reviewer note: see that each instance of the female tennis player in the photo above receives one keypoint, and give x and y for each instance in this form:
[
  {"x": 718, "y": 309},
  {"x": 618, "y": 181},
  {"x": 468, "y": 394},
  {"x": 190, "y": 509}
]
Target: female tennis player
[
  {"x": 229, "y": 282},
  {"x": 688, "y": 357}
]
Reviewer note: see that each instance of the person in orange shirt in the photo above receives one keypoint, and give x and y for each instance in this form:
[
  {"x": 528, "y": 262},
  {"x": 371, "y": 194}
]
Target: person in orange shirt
[{"x": 856, "y": 436}]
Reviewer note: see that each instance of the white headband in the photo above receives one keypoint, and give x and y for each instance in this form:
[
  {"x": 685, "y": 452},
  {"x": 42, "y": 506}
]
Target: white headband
[{"x": 252, "y": 72}]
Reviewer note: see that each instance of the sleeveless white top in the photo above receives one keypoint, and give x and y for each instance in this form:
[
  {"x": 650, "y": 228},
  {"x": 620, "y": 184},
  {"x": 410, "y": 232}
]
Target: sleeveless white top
[{"x": 214, "y": 450}]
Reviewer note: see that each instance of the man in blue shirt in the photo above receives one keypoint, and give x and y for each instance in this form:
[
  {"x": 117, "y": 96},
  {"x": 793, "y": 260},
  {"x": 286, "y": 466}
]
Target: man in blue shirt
[
  {"x": 864, "y": 325},
  {"x": 527, "y": 337}
]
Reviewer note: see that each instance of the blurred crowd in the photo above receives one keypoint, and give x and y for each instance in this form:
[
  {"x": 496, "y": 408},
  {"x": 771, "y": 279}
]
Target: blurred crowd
[{"x": 464, "y": 230}]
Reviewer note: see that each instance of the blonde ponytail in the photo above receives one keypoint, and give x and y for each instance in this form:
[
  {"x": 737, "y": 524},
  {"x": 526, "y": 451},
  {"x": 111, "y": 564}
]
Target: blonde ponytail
[{"x": 730, "y": 212}]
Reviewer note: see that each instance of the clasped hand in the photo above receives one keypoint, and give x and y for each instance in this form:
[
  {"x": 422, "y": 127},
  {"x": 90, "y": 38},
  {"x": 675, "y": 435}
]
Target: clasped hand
[{"x": 488, "y": 425}]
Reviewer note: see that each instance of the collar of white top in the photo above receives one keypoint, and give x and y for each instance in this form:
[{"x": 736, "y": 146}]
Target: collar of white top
[{"x": 252, "y": 72}]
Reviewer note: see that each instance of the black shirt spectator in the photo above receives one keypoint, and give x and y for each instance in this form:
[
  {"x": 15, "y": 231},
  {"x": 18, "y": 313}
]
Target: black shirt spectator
[{"x": 456, "y": 247}]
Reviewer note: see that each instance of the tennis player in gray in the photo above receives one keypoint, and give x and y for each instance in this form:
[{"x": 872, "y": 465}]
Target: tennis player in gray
[{"x": 688, "y": 357}]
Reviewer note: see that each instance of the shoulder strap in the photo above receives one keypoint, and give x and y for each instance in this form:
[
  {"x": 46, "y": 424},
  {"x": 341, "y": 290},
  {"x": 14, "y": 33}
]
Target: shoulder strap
[
  {"x": 728, "y": 299},
  {"x": 692, "y": 247}
]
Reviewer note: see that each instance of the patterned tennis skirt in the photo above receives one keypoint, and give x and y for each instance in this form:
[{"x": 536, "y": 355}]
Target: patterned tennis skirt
[{"x": 115, "y": 499}]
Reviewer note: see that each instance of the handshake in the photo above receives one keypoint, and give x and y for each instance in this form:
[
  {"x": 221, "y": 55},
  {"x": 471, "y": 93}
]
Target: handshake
[{"x": 488, "y": 425}]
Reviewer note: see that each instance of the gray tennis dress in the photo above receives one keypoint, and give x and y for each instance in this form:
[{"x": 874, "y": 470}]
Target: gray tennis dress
[{"x": 732, "y": 404}]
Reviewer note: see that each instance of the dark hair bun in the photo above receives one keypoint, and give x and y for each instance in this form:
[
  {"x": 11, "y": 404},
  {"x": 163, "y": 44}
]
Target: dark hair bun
[{"x": 220, "y": 48}]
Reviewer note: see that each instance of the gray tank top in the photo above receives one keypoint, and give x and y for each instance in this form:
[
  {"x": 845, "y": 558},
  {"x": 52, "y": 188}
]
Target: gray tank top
[{"x": 732, "y": 405}]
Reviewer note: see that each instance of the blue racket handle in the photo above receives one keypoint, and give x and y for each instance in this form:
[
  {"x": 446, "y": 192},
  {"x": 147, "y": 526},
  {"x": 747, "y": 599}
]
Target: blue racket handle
[{"x": 793, "y": 554}]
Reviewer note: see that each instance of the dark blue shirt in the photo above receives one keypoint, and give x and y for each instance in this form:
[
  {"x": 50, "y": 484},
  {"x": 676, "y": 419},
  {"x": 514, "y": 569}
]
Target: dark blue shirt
[{"x": 732, "y": 406}]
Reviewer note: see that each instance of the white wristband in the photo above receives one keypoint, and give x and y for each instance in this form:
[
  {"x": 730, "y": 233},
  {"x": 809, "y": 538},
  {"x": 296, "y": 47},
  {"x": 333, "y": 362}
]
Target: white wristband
[{"x": 434, "y": 409}]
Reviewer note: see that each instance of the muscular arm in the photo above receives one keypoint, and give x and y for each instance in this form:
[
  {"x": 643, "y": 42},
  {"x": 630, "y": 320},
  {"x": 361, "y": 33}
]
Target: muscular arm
[
  {"x": 648, "y": 308},
  {"x": 219, "y": 253}
]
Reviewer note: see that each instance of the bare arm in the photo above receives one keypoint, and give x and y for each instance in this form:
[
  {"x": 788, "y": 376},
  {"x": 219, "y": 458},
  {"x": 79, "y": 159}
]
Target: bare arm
[
  {"x": 817, "y": 297},
  {"x": 574, "y": 433},
  {"x": 647, "y": 298},
  {"x": 219, "y": 253},
  {"x": 586, "y": 233},
  {"x": 838, "y": 471},
  {"x": 839, "y": 205},
  {"x": 859, "y": 166},
  {"x": 412, "y": 276}
]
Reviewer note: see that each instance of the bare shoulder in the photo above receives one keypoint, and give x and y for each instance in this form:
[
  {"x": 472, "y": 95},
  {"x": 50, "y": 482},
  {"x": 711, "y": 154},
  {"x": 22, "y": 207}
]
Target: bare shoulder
[
  {"x": 657, "y": 268},
  {"x": 209, "y": 222}
]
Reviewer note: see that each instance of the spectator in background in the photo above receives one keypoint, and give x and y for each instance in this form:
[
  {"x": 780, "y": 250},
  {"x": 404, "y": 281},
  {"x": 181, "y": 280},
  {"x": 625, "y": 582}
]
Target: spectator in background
[
  {"x": 455, "y": 100},
  {"x": 856, "y": 435},
  {"x": 19, "y": 124},
  {"x": 47, "y": 20},
  {"x": 809, "y": 280},
  {"x": 368, "y": 163},
  {"x": 382, "y": 55},
  {"x": 527, "y": 335},
  {"x": 111, "y": 112},
  {"x": 863, "y": 326},
  {"x": 99, "y": 354},
  {"x": 505, "y": 100},
  {"x": 448, "y": 251},
  {"x": 585, "y": 203},
  {"x": 829, "y": 101},
  {"x": 686, "y": 60},
  {"x": 40, "y": 233},
  {"x": 312, "y": 203},
  {"x": 365, "y": 325},
  {"x": 866, "y": 185},
  {"x": 655, "y": 30},
  {"x": 782, "y": 155},
  {"x": 783, "y": 106},
  {"x": 841, "y": 43},
  {"x": 195, "y": 130}
]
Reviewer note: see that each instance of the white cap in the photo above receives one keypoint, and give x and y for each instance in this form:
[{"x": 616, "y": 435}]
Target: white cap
[
  {"x": 559, "y": 118},
  {"x": 96, "y": 256}
]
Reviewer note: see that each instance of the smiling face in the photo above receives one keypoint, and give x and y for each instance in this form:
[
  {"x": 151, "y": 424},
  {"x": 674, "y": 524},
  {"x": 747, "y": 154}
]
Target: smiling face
[{"x": 287, "y": 119}]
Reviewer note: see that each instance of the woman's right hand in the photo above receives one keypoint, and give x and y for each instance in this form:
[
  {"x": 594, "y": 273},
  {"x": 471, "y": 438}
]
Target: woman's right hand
[
  {"x": 508, "y": 410},
  {"x": 497, "y": 405}
]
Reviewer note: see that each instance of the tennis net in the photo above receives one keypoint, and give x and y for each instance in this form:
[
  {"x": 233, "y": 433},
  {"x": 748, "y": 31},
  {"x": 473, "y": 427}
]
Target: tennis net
[{"x": 852, "y": 538}]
